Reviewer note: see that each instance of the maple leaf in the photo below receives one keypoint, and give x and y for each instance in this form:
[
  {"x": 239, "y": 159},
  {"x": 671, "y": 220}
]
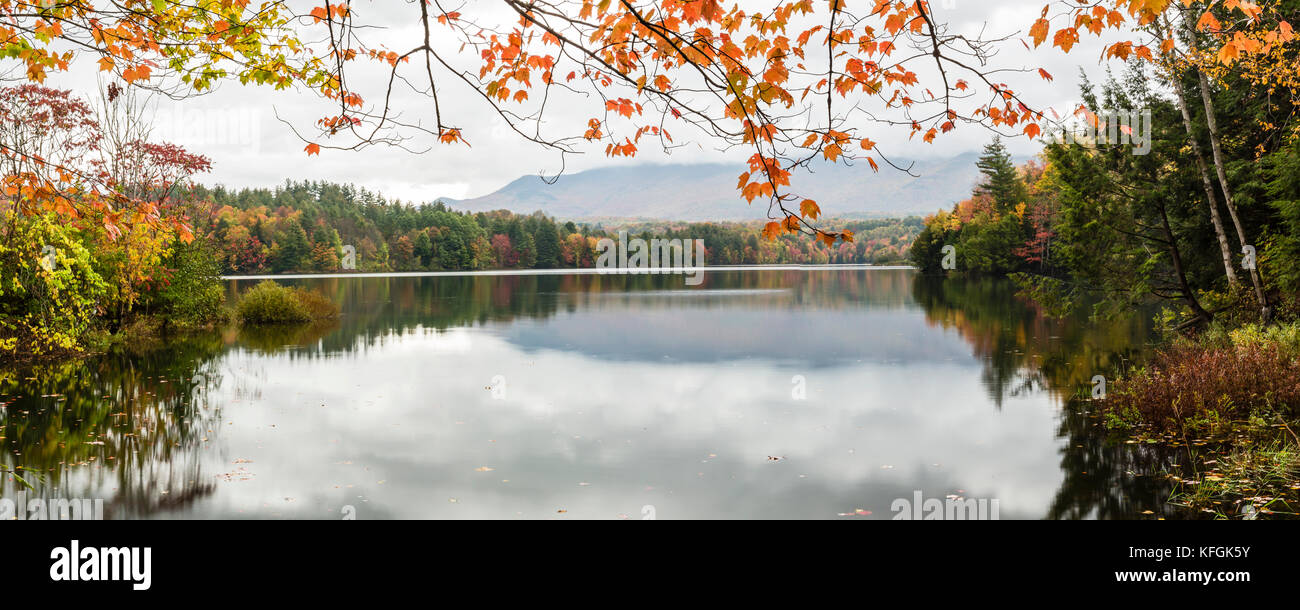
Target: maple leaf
[
  {"x": 1066, "y": 39},
  {"x": 772, "y": 230},
  {"x": 1228, "y": 53},
  {"x": 1039, "y": 31},
  {"x": 810, "y": 209}
]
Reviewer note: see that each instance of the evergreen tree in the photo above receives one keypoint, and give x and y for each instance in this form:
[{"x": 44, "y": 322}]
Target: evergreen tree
[
  {"x": 527, "y": 248},
  {"x": 424, "y": 249},
  {"x": 548, "y": 246},
  {"x": 1001, "y": 180},
  {"x": 294, "y": 251}
]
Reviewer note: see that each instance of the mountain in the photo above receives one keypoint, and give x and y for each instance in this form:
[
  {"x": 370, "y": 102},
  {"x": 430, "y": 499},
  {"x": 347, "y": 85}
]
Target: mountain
[{"x": 703, "y": 192}]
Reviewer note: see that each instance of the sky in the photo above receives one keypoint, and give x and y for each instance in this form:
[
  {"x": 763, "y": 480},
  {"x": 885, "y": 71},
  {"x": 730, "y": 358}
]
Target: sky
[{"x": 245, "y": 130}]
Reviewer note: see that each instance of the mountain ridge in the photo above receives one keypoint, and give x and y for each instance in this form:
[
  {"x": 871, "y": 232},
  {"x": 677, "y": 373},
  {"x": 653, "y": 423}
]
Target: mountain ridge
[{"x": 707, "y": 191}]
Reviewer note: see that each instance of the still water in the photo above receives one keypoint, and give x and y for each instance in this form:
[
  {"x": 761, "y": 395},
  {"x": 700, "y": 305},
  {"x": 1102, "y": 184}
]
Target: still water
[{"x": 819, "y": 394}]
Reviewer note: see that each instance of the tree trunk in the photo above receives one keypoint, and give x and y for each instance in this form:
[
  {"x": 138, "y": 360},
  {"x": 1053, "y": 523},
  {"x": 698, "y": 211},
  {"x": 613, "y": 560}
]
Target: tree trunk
[
  {"x": 1211, "y": 121},
  {"x": 1180, "y": 273},
  {"x": 1225, "y": 249}
]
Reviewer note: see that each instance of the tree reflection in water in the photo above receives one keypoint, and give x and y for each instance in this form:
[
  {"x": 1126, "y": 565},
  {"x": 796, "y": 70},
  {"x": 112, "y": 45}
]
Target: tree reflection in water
[
  {"x": 1024, "y": 350},
  {"x": 127, "y": 427},
  {"x": 134, "y": 426}
]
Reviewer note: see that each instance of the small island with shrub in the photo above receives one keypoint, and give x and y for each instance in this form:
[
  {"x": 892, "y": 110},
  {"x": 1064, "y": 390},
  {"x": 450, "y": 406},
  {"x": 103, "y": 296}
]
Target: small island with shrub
[{"x": 271, "y": 303}]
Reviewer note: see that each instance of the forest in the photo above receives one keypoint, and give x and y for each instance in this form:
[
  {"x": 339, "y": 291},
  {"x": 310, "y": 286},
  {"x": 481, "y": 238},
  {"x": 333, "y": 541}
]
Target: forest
[
  {"x": 1090, "y": 221},
  {"x": 303, "y": 227}
]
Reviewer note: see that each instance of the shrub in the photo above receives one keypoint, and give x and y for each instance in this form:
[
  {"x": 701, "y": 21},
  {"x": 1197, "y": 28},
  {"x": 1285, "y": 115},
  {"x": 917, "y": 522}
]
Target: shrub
[
  {"x": 1285, "y": 336},
  {"x": 45, "y": 312},
  {"x": 193, "y": 295},
  {"x": 271, "y": 303},
  {"x": 318, "y": 306},
  {"x": 1191, "y": 387}
]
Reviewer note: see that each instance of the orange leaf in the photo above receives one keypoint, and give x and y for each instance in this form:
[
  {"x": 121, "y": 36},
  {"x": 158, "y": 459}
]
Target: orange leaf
[
  {"x": 1066, "y": 39},
  {"x": 810, "y": 209},
  {"x": 771, "y": 230},
  {"x": 1039, "y": 31}
]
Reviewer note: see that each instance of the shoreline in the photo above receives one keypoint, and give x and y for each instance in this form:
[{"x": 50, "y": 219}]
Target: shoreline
[{"x": 581, "y": 271}]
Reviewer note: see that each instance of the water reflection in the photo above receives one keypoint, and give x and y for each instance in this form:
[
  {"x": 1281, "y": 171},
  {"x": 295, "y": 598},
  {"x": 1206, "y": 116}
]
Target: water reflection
[
  {"x": 592, "y": 396},
  {"x": 124, "y": 428}
]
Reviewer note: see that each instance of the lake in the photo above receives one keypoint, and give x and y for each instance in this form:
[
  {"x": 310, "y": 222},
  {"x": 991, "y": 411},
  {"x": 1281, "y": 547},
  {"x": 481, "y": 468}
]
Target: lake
[{"x": 837, "y": 393}]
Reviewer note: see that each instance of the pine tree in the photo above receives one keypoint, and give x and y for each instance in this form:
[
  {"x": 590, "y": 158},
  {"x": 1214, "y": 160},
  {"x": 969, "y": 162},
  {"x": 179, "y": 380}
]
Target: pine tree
[
  {"x": 548, "y": 246},
  {"x": 1001, "y": 180},
  {"x": 527, "y": 248},
  {"x": 294, "y": 249}
]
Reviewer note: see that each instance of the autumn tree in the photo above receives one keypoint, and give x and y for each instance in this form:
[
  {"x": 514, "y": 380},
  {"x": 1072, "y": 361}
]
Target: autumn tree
[
  {"x": 1216, "y": 35},
  {"x": 505, "y": 254},
  {"x": 95, "y": 202}
]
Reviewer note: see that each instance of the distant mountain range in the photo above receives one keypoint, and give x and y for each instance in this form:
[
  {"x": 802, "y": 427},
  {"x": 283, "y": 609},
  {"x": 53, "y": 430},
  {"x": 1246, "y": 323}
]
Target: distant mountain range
[{"x": 707, "y": 192}]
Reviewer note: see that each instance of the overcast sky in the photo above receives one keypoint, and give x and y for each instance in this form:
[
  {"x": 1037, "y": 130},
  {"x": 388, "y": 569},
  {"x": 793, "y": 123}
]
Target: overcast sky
[{"x": 238, "y": 127}]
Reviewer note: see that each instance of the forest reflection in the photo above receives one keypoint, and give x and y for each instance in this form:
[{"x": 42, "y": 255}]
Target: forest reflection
[{"x": 135, "y": 426}]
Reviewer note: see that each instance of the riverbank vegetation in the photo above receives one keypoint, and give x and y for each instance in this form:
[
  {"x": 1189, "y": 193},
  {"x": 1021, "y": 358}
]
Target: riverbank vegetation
[{"x": 93, "y": 224}]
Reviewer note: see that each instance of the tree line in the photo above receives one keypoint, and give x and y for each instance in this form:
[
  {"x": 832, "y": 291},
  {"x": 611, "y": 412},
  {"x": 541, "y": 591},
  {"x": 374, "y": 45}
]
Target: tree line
[{"x": 304, "y": 227}]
